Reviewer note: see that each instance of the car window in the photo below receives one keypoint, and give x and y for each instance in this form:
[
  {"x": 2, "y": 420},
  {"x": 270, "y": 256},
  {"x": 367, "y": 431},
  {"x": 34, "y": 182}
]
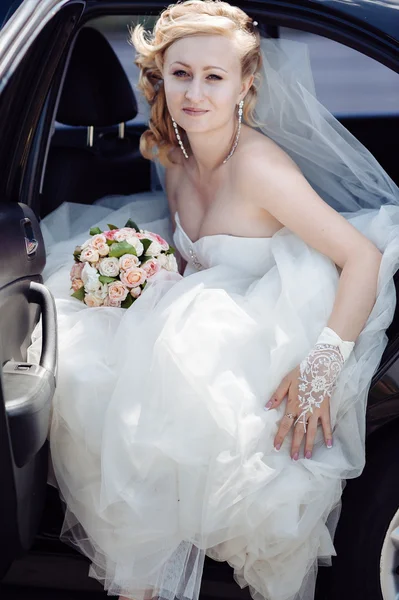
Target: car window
[{"x": 347, "y": 82}]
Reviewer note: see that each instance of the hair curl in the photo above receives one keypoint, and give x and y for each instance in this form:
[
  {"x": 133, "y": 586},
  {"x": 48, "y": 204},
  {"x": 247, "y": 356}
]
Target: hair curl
[{"x": 192, "y": 17}]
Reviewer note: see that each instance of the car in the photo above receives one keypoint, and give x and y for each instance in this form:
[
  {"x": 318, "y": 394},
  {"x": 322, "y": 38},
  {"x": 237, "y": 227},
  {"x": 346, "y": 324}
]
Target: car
[{"x": 70, "y": 124}]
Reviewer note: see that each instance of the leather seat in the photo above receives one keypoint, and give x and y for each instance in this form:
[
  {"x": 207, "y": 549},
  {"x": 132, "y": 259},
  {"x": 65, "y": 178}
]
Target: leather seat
[{"x": 96, "y": 94}]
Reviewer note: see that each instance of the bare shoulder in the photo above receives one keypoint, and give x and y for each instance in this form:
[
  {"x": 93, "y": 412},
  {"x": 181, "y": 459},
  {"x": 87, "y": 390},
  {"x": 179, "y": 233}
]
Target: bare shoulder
[
  {"x": 270, "y": 179},
  {"x": 263, "y": 159}
]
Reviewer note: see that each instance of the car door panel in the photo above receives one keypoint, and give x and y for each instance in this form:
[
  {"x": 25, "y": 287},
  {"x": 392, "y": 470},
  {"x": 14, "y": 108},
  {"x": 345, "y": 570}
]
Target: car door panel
[{"x": 27, "y": 97}]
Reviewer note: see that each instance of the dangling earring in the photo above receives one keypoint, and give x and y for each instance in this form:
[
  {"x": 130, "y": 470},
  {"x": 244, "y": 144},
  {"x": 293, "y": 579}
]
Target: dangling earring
[
  {"x": 179, "y": 138},
  {"x": 240, "y": 108}
]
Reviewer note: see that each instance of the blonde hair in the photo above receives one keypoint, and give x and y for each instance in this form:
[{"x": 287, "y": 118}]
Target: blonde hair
[{"x": 193, "y": 17}]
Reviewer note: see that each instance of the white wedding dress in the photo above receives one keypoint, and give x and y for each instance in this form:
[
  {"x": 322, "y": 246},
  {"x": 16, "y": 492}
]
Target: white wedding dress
[{"x": 160, "y": 444}]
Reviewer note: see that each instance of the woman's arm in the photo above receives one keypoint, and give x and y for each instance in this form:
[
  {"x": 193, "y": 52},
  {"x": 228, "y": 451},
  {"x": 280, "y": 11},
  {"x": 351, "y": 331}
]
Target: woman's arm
[{"x": 278, "y": 186}]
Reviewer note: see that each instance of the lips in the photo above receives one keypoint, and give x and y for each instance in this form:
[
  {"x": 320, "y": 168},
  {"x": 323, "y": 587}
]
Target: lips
[{"x": 194, "y": 111}]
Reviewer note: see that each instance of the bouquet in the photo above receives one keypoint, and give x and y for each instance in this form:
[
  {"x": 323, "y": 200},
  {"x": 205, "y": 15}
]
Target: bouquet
[{"x": 112, "y": 267}]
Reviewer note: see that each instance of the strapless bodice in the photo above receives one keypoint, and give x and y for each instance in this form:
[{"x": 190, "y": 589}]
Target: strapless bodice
[{"x": 248, "y": 254}]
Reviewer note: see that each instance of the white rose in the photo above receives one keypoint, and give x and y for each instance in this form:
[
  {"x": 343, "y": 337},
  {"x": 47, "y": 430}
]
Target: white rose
[
  {"x": 89, "y": 254},
  {"x": 128, "y": 261},
  {"x": 90, "y": 278},
  {"x": 135, "y": 292},
  {"x": 154, "y": 249},
  {"x": 102, "y": 292},
  {"x": 109, "y": 267},
  {"x": 168, "y": 262},
  {"x": 137, "y": 245}
]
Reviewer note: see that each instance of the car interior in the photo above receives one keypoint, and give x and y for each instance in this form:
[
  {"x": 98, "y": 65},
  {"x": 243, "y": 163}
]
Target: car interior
[{"x": 94, "y": 153}]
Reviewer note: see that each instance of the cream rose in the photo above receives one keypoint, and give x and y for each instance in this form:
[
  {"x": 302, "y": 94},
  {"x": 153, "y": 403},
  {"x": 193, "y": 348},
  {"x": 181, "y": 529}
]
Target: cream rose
[
  {"x": 92, "y": 301},
  {"x": 135, "y": 292},
  {"x": 133, "y": 277},
  {"x": 98, "y": 240},
  {"x": 109, "y": 267},
  {"x": 117, "y": 291},
  {"x": 123, "y": 234},
  {"x": 77, "y": 284},
  {"x": 89, "y": 254},
  {"x": 128, "y": 261}
]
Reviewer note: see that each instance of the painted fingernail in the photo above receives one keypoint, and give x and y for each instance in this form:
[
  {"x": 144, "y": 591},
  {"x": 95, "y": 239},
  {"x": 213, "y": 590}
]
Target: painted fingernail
[
  {"x": 308, "y": 454},
  {"x": 277, "y": 447},
  {"x": 269, "y": 405},
  {"x": 329, "y": 444},
  {"x": 295, "y": 456}
]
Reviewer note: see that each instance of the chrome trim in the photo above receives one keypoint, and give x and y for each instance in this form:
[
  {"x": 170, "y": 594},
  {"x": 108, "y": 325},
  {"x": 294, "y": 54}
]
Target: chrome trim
[
  {"x": 121, "y": 131},
  {"x": 90, "y": 136},
  {"x": 21, "y": 30}
]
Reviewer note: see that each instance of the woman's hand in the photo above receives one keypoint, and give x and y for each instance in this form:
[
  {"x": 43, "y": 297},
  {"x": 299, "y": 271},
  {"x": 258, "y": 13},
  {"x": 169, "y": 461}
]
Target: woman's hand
[{"x": 290, "y": 387}]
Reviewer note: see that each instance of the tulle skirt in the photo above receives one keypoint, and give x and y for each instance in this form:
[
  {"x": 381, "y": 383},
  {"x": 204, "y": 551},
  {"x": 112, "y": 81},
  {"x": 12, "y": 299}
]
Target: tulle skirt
[{"x": 161, "y": 447}]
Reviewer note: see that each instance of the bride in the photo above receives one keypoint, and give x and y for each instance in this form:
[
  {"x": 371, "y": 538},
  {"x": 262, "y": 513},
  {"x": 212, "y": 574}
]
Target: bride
[{"x": 221, "y": 413}]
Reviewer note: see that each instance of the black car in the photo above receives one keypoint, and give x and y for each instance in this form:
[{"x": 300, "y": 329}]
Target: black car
[{"x": 70, "y": 123}]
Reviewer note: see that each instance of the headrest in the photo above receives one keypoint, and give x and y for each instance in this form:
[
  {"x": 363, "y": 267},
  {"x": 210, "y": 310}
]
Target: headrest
[{"x": 96, "y": 90}]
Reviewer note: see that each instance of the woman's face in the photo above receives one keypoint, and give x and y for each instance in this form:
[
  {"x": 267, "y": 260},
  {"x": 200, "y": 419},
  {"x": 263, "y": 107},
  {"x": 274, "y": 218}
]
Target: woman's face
[{"x": 203, "y": 82}]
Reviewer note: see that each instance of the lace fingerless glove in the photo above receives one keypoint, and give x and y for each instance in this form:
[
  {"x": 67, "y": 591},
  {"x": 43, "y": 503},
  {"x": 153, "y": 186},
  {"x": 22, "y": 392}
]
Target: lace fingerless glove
[{"x": 319, "y": 372}]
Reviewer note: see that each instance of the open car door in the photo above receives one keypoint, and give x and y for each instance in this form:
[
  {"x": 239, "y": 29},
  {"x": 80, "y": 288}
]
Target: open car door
[{"x": 34, "y": 45}]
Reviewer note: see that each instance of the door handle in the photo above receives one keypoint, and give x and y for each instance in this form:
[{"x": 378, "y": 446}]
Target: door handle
[{"x": 28, "y": 388}]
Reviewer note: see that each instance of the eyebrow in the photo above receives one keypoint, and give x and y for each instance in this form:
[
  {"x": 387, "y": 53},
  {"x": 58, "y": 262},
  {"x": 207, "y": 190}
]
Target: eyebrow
[{"x": 205, "y": 68}]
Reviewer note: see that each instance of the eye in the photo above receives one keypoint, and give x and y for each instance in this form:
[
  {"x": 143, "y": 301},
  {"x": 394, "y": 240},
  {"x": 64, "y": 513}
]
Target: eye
[
  {"x": 214, "y": 77},
  {"x": 179, "y": 73}
]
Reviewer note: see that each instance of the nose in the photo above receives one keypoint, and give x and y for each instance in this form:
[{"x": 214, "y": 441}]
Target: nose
[{"x": 194, "y": 92}]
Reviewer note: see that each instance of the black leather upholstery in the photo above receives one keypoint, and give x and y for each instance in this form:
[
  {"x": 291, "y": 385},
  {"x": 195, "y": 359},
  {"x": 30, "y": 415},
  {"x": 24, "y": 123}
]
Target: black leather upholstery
[{"x": 96, "y": 92}]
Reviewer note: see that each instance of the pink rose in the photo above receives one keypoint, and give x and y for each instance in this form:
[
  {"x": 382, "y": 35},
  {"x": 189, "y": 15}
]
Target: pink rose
[
  {"x": 151, "y": 267},
  {"x": 128, "y": 261},
  {"x": 109, "y": 235},
  {"x": 76, "y": 284},
  {"x": 154, "y": 237},
  {"x": 135, "y": 292},
  {"x": 117, "y": 291},
  {"x": 133, "y": 277},
  {"x": 114, "y": 303},
  {"x": 76, "y": 271},
  {"x": 92, "y": 301}
]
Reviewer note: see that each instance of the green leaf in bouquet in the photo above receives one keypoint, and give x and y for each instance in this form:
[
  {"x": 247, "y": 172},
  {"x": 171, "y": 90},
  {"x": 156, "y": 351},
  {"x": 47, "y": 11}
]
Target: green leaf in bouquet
[
  {"x": 95, "y": 231},
  {"x": 118, "y": 249},
  {"x": 110, "y": 242},
  {"x": 146, "y": 243},
  {"x": 127, "y": 302},
  {"x": 77, "y": 252},
  {"x": 105, "y": 279},
  {"x": 111, "y": 227},
  {"x": 171, "y": 250},
  {"x": 79, "y": 294},
  {"x": 130, "y": 223}
]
